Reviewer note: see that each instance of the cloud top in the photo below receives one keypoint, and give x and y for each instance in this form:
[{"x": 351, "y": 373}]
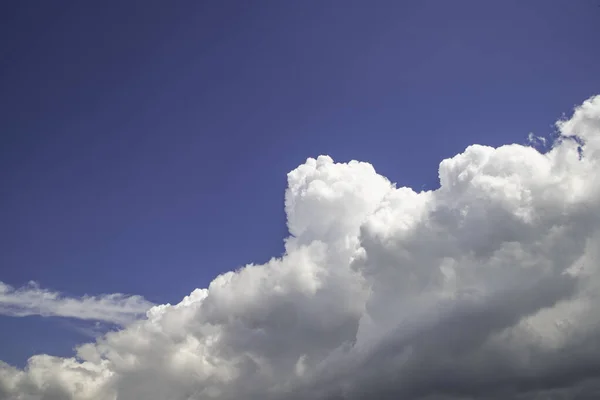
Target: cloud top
[{"x": 483, "y": 289}]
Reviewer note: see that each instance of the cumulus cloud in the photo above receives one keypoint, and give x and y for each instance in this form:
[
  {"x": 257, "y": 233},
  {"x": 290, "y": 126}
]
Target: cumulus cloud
[
  {"x": 31, "y": 299},
  {"x": 482, "y": 289}
]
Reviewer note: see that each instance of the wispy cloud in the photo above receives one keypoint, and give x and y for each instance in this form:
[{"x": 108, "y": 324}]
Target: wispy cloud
[{"x": 31, "y": 299}]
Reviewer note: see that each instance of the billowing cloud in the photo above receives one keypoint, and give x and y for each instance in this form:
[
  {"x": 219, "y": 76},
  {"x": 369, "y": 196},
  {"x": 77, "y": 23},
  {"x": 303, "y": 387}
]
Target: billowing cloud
[
  {"x": 485, "y": 288},
  {"x": 29, "y": 300}
]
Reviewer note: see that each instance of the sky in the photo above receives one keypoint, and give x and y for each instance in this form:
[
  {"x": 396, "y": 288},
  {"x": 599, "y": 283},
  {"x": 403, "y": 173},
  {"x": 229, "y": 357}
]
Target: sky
[{"x": 147, "y": 149}]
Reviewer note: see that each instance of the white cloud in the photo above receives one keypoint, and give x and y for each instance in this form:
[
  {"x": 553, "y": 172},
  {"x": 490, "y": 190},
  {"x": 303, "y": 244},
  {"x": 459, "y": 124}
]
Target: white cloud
[
  {"x": 483, "y": 288},
  {"x": 33, "y": 300}
]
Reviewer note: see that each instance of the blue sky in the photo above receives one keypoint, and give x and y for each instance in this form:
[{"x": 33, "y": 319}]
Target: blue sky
[{"x": 145, "y": 147}]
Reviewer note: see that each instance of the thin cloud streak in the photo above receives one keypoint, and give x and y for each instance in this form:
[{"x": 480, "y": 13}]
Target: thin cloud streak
[{"x": 32, "y": 300}]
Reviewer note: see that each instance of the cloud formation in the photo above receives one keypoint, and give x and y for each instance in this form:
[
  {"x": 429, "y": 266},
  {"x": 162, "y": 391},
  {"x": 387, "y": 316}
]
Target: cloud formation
[
  {"x": 30, "y": 300},
  {"x": 482, "y": 289}
]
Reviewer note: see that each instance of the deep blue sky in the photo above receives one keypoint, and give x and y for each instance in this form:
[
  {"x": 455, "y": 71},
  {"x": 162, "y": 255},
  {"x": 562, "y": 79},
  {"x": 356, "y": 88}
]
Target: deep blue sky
[{"x": 145, "y": 144}]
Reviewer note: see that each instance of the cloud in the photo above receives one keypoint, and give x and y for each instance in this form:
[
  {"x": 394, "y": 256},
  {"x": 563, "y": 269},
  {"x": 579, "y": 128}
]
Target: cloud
[
  {"x": 33, "y": 300},
  {"x": 485, "y": 288}
]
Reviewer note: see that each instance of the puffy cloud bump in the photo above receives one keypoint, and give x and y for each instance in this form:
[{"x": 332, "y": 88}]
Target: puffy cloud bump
[{"x": 484, "y": 288}]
